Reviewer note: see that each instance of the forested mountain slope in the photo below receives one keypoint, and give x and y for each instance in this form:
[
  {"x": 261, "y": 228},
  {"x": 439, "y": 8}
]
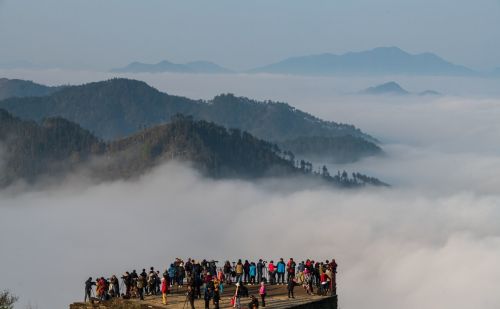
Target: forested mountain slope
[
  {"x": 57, "y": 146},
  {"x": 119, "y": 107}
]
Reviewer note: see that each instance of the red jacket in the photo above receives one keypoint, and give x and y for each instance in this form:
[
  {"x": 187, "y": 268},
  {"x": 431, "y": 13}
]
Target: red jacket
[{"x": 164, "y": 288}]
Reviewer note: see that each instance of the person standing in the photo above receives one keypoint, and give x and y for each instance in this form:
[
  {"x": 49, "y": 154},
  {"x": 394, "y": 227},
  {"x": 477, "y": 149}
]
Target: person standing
[
  {"x": 252, "y": 271},
  {"x": 308, "y": 282},
  {"x": 325, "y": 283},
  {"x": 216, "y": 294},
  {"x": 262, "y": 293},
  {"x": 281, "y": 271},
  {"x": 260, "y": 269},
  {"x": 127, "y": 280},
  {"x": 290, "y": 269},
  {"x": 227, "y": 272},
  {"x": 239, "y": 271},
  {"x": 333, "y": 277},
  {"x": 164, "y": 290},
  {"x": 190, "y": 296},
  {"x": 180, "y": 272},
  {"x": 88, "y": 289},
  {"x": 116, "y": 286},
  {"x": 209, "y": 289},
  {"x": 272, "y": 272},
  {"x": 237, "y": 296},
  {"x": 101, "y": 288},
  {"x": 172, "y": 274},
  {"x": 291, "y": 285},
  {"x": 246, "y": 270},
  {"x": 301, "y": 266},
  {"x": 141, "y": 283}
]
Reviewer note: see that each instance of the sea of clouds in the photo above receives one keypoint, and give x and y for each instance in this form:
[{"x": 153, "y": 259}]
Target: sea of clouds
[{"x": 430, "y": 241}]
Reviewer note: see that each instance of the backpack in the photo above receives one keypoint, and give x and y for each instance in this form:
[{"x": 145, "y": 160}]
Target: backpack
[{"x": 140, "y": 283}]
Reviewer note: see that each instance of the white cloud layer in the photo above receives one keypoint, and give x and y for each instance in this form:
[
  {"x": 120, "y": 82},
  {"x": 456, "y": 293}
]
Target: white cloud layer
[{"x": 431, "y": 241}]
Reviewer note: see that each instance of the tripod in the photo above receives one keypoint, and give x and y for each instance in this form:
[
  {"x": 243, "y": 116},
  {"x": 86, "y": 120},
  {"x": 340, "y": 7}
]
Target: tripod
[{"x": 186, "y": 301}]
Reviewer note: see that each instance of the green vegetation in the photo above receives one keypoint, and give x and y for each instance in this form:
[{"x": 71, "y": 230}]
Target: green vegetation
[
  {"x": 120, "y": 107},
  {"x": 7, "y": 300},
  {"x": 29, "y": 149},
  {"x": 57, "y": 146},
  {"x": 22, "y": 88}
]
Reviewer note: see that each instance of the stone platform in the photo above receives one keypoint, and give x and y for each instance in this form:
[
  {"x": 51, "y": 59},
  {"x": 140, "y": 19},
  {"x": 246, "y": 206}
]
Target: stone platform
[{"x": 277, "y": 298}]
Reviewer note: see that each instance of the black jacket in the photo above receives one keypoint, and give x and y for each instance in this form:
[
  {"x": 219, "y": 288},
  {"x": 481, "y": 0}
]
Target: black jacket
[{"x": 88, "y": 284}]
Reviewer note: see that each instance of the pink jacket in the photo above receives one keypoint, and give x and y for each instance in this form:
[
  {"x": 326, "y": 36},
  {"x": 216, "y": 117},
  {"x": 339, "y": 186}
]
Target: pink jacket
[{"x": 262, "y": 290}]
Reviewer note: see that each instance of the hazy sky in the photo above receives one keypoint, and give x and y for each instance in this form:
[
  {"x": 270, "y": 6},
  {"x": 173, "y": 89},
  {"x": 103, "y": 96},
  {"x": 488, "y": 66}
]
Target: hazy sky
[{"x": 100, "y": 34}]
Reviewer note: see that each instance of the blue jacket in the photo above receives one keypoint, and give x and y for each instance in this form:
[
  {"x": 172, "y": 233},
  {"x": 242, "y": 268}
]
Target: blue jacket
[
  {"x": 281, "y": 267},
  {"x": 252, "y": 270},
  {"x": 171, "y": 272}
]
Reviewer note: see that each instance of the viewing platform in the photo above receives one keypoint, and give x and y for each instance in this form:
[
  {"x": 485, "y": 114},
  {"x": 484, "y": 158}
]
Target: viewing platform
[{"x": 277, "y": 298}]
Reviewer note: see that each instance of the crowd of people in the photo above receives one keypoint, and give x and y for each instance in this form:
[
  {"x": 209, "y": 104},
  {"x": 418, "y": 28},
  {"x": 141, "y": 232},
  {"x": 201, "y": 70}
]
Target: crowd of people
[{"x": 204, "y": 276}]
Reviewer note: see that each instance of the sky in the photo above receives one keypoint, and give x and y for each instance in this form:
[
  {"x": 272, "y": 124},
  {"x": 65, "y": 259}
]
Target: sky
[{"x": 102, "y": 34}]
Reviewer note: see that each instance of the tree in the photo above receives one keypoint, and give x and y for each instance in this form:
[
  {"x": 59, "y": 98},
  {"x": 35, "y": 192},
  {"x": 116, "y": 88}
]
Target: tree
[{"x": 7, "y": 300}]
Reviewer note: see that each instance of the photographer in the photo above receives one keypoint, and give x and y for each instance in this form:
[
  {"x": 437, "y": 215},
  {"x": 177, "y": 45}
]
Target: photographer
[{"x": 88, "y": 288}]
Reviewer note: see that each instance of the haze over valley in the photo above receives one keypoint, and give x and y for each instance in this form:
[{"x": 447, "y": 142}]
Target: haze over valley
[{"x": 133, "y": 132}]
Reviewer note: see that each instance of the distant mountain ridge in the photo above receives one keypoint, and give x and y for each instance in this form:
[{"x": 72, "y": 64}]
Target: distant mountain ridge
[
  {"x": 57, "y": 146},
  {"x": 382, "y": 60},
  {"x": 167, "y": 66},
  {"x": 376, "y": 61},
  {"x": 24, "y": 88},
  {"x": 393, "y": 88},
  {"x": 120, "y": 107}
]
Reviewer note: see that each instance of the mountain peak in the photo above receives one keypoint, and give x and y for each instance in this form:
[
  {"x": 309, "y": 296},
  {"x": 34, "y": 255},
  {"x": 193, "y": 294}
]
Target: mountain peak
[
  {"x": 199, "y": 66},
  {"x": 388, "y": 49},
  {"x": 391, "y": 87}
]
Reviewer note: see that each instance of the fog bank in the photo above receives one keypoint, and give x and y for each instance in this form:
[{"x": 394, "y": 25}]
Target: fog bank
[{"x": 395, "y": 248}]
